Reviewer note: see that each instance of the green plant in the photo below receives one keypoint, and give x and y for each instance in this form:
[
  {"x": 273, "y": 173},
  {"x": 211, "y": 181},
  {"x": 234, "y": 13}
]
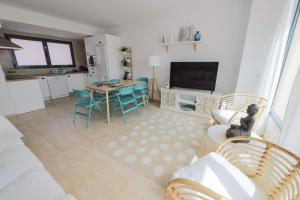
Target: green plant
[
  {"x": 124, "y": 49},
  {"x": 124, "y": 62}
]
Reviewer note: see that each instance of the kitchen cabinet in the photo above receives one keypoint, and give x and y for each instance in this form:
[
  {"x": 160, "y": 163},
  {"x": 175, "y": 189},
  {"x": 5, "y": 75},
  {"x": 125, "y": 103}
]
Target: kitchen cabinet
[
  {"x": 26, "y": 95},
  {"x": 75, "y": 81},
  {"x": 44, "y": 88},
  {"x": 58, "y": 86},
  {"x": 7, "y": 106}
]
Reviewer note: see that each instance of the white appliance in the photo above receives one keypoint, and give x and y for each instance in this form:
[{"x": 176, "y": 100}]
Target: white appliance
[
  {"x": 106, "y": 48},
  {"x": 44, "y": 88},
  {"x": 58, "y": 86},
  {"x": 7, "y": 106},
  {"x": 102, "y": 66}
]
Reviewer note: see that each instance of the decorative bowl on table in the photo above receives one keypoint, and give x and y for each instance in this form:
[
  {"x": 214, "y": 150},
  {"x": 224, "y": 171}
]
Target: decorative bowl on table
[{"x": 59, "y": 71}]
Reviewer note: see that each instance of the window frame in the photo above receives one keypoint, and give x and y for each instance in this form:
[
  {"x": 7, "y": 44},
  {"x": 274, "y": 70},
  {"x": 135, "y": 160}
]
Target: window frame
[
  {"x": 273, "y": 114},
  {"x": 46, "y": 52}
]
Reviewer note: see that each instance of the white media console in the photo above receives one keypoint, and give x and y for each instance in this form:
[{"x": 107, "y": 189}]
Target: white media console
[{"x": 192, "y": 102}]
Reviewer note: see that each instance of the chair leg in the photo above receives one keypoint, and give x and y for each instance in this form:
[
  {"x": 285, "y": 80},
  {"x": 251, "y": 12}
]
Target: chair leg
[
  {"x": 144, "y": 101},
  {"x": 115, "y": 106},
  {"x": 100, "y": 110},
  {"x": 89, "y": 118},
  {"x": 124, "y": 118},
  {"x": 137, "y": 107},
  {"x": 138, "y": 111},
  {"x": 74, "y": 115}
]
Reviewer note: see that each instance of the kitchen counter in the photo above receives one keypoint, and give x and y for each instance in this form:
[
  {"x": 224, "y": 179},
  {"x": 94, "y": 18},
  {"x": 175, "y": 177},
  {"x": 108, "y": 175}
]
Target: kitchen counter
[
  {"x": 21, "y": 79},
  {"x": 35, "y": 76}
]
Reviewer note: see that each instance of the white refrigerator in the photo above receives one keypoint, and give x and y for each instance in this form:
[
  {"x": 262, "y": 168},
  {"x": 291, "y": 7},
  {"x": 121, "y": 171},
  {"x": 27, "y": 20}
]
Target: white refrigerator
[
  {"x": 106, "y": 49},
  {"x": 102, "y": 66}
]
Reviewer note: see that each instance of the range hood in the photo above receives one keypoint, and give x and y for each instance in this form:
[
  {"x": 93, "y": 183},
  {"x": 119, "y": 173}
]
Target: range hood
[{"x": 8, "y": 45}]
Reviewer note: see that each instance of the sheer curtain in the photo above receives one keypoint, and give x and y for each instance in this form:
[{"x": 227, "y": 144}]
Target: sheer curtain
[{"x": 291, "y": 125}]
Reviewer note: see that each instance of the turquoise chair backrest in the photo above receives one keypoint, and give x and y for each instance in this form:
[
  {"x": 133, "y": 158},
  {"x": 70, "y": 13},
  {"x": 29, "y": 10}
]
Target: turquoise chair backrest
[
  {"x": 139, "y": 86},
  {"x": 114, "y": 81},
  {"x": 144, "y": 79},
  {"x": 82, "y": 96},
  {"x": 98, "y": 83},
  {"x": 126, "y": 91}
]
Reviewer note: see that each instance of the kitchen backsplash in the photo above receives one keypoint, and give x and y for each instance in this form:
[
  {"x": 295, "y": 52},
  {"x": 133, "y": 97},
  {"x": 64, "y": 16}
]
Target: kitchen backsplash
[{"x": 12, "y": 71}]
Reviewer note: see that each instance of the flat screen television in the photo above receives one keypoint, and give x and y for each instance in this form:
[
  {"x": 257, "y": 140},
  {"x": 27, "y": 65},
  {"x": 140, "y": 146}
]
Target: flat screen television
[{"x": 194, "y": 75}]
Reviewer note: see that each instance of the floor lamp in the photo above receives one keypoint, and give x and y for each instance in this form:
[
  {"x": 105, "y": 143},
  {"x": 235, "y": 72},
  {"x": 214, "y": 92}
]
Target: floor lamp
[{"x": 153, "y": 61}]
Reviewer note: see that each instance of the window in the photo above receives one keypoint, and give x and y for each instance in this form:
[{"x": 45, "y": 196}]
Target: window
[
  {"x": 31, "y": 54},
  {"x": 60, "y": 54},
  {"x": 288, "y": 75},
  {"x": 41, "y": 53}
]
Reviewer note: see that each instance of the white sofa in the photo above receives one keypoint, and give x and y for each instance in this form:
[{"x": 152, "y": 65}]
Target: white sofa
[{"x": 22, "y": 175}]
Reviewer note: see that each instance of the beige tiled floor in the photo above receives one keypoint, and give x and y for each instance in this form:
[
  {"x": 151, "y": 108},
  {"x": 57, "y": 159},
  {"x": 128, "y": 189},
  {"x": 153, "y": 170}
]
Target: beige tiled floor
[{"x": 71, "y": 153}]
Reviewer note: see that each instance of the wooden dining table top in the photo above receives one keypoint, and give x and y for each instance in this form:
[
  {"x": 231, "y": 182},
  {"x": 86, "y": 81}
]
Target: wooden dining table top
[{"x": 108, "y": 88}]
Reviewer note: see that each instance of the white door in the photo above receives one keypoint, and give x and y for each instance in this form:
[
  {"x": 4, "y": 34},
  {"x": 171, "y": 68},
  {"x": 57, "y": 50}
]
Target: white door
[
  {"x": 102, "y": 61},
  {"x": 58, "y": 86},
  {"x": 44, "y": 88},
  {"x": 114, "y": 57},
  {"x": 75, "y": 81}
]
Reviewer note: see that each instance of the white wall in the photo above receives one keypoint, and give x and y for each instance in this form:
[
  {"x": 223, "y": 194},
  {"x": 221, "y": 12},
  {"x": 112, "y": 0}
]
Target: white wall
[
  {"x": 33, "y": 18},
  {"x": 267, "y": 33},
  {"x": 222, "y": 25}
]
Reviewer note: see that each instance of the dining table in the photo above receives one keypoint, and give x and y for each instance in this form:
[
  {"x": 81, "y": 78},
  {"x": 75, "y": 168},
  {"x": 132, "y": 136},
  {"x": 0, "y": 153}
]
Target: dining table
[{"x": 107, "y": 88}]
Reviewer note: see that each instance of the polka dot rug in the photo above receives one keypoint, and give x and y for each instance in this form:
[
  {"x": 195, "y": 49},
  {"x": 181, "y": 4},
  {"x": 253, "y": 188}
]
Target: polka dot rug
[{"x": 159, "y": 146}]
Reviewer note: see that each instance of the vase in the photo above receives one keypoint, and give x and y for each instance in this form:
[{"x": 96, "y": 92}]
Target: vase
[{"x": 197, "y": 36}]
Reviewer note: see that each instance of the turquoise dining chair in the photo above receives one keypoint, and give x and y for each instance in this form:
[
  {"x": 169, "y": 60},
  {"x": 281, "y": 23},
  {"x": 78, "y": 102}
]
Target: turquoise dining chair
[
  {"x": 85, "y": 101},
  {"x": 113, "y": 94},
  {"x": 145, "y": 80},
  {"x": 126, "y": 102},
  {"x": 140, "y": 94},
  {"x": 98, "y": 95},
  {"x": 101, "y": 95}
]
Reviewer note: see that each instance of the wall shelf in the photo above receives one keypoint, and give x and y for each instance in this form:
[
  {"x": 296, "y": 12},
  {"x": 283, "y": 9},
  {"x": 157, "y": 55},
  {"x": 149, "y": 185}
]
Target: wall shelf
[{"x": 193, "y": 43}]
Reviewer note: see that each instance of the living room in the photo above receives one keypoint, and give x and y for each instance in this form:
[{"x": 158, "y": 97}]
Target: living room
[{"x": 149, "y": 100}]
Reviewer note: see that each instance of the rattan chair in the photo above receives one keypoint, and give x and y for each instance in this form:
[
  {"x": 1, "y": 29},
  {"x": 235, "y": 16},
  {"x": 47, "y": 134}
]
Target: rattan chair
[
  {"x": 231, "y": 108},
  {"x": 273, "y": 168}
]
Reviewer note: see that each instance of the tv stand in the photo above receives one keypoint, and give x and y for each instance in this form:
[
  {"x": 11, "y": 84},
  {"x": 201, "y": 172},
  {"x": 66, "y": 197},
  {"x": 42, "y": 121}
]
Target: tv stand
[{"x": 198, "y": 103}]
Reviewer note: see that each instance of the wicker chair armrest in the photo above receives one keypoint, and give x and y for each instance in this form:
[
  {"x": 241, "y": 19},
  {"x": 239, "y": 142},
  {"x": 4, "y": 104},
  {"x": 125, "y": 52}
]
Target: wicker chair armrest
[
  {"x": 182, "y": 188},
  {"x": 237, "y": 112}
]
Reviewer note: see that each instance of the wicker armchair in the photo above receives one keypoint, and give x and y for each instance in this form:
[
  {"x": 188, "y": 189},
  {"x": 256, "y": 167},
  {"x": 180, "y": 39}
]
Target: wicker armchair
[
  {"x": 232, "y": 107},
  {"x": 274, "y": 169}
]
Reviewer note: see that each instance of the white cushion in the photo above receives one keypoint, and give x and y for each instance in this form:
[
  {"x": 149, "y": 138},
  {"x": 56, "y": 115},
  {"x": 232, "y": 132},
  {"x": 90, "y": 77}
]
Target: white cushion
[
  {"x": 15, "y": 162},
  {"x": 9, "y": 140},
  {"x": 216, "y": 173},
  {"x": 6, "y": 126},
  {"x": 223, "y": 116},
  {"x": 35, "y": 185}
]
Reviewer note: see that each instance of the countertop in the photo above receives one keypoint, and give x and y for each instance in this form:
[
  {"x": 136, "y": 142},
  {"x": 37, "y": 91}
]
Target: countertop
[{"x": 36, "y": 76}]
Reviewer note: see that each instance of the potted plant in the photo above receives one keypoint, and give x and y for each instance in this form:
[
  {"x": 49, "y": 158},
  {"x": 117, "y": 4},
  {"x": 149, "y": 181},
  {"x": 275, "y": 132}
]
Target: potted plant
[
  {"x": 124, "y": 62},
  {"x": 124, "y": 50}
]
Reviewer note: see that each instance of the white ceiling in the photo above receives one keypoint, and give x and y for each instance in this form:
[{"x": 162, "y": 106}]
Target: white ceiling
[
  {"x": 103, "y": 13},
  {"x": 28, "y": 28}
]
